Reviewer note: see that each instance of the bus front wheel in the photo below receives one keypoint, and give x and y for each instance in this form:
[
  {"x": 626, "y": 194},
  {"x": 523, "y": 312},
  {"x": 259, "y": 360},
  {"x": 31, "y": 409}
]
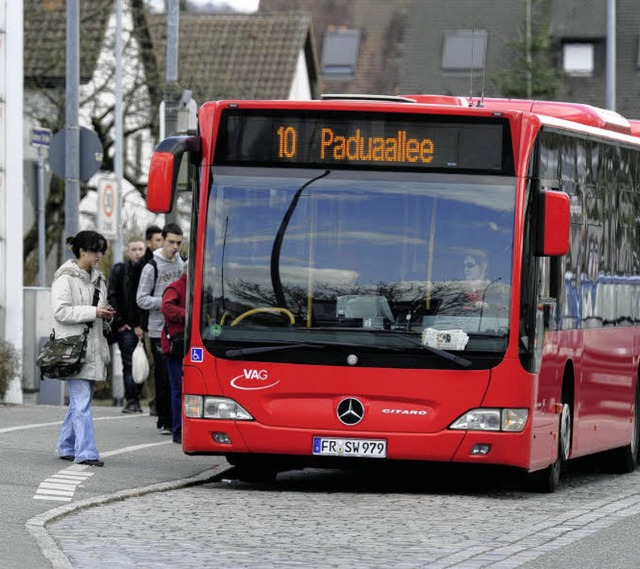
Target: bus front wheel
[
  {"x": 547, "y": 480},
  {"x": 253, "y": 469}
]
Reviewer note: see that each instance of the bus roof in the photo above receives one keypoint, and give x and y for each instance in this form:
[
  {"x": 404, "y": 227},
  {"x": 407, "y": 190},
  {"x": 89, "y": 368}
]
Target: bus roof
[
  {"x": 635, "y": 126},
  {"x": 574, "y": 112}
]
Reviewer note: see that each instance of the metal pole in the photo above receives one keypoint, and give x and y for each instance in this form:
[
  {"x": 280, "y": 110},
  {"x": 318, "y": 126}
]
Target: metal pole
[
  {"x": 172, "y": 88},
  {"x": 528, "y": 50},
  {"x": 42, "y": 241},
  {"x": 117, "y": 381},
  {"x": 117, "y": 242},
  {"x": 171, "y": 72},
  {"x": 611, "y": 55},
  {"x": 72, "y": 136},
  {"x": 173, "y": 27}
]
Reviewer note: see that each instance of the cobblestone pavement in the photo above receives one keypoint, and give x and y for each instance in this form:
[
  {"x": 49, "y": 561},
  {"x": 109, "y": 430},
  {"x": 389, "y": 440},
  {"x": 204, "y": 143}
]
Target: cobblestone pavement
[{"x": 336, "y": 519}]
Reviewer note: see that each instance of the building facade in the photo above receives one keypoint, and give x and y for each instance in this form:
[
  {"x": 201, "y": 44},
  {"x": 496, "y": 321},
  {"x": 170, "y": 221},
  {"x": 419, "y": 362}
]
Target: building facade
[
  {"x": 472, "y": 47},
  {"x": 11, "y": 184}
]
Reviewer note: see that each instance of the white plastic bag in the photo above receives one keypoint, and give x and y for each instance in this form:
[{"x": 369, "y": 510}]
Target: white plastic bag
[{"x": 139, "y": 364}]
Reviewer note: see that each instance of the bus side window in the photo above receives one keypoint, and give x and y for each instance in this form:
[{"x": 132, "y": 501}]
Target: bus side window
[{"x": 556, "y": 288}]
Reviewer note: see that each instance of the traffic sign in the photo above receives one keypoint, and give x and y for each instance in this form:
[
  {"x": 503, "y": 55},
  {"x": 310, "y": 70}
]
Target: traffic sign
[
  {"x": 91, "y": 153},
  {"x": 108, "y": 204},
  {"x": 40, "y": 137}
]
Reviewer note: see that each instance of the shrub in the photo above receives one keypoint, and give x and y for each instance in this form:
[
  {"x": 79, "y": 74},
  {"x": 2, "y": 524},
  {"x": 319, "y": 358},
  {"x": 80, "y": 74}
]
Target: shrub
[{"x": 9, "y": 365}]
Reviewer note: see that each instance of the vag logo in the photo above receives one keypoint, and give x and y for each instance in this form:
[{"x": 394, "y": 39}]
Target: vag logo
[
  {"x": 260, "y": 374},
  {"x": 252, "y": 379}
]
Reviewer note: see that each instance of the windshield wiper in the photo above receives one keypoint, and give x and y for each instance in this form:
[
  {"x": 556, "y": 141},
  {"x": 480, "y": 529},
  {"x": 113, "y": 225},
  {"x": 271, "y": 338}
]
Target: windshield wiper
[
  {"x": 263, "y": 349},
  {"x": 463, "y": 362},
  {"x": 276, "y": 283},
  {"x": 235, "y": 352}
]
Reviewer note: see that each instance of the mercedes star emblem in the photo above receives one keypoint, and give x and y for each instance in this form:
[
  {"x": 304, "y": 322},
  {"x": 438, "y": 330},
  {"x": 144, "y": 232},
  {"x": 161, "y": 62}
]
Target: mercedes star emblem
[{"x": 350, "y": 411}]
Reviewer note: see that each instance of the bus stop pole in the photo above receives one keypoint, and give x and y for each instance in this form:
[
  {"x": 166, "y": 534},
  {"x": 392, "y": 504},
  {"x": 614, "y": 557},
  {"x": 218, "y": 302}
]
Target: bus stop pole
[
  {"x": 42, "y": 242},
  {"x": 72, "y": 138},
  {"x": 117, "y": 380}
]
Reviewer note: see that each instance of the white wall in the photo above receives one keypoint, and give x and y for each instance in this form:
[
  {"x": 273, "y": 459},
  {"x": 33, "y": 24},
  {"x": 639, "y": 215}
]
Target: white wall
[
  {"x": 11, "y": 183},
  {"x": 300, "y": 88}
]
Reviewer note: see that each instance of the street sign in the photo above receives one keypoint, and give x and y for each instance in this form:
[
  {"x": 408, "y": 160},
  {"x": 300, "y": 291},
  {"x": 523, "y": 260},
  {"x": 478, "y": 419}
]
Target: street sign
[
  {"x": 108, "y": 204},
  {"x": 90, "y": 153},
  {"x": 40, "y": 137}
]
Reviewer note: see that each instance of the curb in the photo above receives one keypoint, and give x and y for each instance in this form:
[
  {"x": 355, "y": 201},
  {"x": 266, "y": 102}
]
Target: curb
[{"x": 49, "y": 548}]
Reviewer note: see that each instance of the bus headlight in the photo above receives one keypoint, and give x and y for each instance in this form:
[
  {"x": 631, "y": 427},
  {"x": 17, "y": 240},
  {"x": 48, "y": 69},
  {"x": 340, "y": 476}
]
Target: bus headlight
[
  {"x": 511, "y": 420},
  {"x": 192, "y": 406},
  {"x": 514, "y": 420},
  {"x": 223, "y": 408},
  {"x": 197, "y": 406}
]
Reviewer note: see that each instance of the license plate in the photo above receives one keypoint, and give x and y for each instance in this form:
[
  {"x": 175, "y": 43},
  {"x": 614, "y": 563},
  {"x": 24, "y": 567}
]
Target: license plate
[{"x": 372, "y": 448}]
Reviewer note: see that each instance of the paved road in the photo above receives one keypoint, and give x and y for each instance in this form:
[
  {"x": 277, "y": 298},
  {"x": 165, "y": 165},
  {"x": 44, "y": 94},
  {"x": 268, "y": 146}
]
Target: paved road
[
  {"x": 363, "y": 520},
  {"x": 153, "y": 507},
  {"x": 34, "y": 483}
]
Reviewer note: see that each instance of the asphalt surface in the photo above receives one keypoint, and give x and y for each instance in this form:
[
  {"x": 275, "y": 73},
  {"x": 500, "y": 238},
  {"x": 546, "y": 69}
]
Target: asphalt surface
[
  {"x": 151, "y": 506},
  {"x": 36, "y": 487}
]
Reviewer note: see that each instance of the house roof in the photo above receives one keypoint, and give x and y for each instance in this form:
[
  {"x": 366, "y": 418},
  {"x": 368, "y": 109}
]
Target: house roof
[
  {"x": 224, "y": 56},
  {"x": 45, "y": 33},
  {"x": 383, "y": 25}
]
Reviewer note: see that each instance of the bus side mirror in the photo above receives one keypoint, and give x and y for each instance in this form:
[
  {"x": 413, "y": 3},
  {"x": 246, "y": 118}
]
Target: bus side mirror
[
  {"x": 163, "y": 172},
  {"x": 554, "y": 223}
]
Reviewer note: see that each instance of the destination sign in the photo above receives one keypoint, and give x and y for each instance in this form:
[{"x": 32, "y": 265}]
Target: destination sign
[{"x": 364, "y": 140}]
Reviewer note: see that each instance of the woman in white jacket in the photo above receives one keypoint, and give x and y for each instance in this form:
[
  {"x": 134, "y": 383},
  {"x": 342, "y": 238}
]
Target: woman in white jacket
[{"x": 72, "y": 293}]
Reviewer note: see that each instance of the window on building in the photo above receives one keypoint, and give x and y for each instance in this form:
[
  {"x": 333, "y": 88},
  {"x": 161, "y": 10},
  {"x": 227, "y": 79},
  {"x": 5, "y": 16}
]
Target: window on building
[
  {"x": 578, "y": 59},
  {"x": 464, "y": 49},
  {"x": 340, "y": 51}
]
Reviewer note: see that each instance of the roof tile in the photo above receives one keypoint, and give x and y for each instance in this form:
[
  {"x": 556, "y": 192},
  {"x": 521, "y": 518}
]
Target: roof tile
[
  {"x": 225, "y": 56},
  {"x": 45, "y": 33}
]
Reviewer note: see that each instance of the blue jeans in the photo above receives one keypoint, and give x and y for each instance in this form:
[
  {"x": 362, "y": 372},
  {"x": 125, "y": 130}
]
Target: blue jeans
[
  {"x": 127, "y": 342},
  {"x": 174, "y": 371},
  {"x": 77, "y": 437}
]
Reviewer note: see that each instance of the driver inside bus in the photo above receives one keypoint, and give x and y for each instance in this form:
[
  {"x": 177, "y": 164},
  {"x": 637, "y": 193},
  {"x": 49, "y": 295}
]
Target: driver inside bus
[
  {"x": 475, "y": 274},
  {"x": 475, "y": 267}
]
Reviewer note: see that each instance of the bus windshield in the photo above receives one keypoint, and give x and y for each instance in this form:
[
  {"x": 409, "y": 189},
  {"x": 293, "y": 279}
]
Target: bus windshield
[{"x": 360, "y": 257}]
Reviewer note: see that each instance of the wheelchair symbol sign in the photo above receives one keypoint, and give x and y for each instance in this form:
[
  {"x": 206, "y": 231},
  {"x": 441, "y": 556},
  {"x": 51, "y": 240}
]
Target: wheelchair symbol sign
[{"x": 196, "y": 354}]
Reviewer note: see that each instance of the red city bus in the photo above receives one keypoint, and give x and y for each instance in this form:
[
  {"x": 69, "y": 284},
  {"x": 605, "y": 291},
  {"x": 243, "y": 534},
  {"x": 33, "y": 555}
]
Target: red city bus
[{"x": 420, "y": 278}]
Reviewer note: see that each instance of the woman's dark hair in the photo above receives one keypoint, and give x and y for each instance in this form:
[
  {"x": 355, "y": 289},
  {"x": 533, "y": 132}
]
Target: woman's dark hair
[{"x": 89, "y": 241}]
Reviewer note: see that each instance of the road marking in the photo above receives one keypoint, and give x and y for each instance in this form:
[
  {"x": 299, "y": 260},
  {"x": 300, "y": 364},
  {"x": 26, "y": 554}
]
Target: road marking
[
  {"x": 51, "y": 498},
  {"x": 53, "y": 488},
  {"x": 61, "y": 486},
  {"x": 70, "y": 476},
  {"x": 54, "y": 423},
  {"x": 133, "y": 448},
  {"x": 50, "y": 549}
]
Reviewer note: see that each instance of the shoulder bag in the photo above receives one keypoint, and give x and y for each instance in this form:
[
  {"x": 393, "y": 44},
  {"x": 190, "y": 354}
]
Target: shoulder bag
[
  {"x": 64, "y": 357},
  {"x": 177, "y": 349}
]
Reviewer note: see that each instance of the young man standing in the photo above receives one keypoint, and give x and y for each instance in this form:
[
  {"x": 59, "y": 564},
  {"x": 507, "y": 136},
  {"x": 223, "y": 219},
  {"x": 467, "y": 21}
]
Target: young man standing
[
  {"x": 153, "y": 241},
  {"x": 122, "y": 297},
  {"x": 157, "y": 274}
]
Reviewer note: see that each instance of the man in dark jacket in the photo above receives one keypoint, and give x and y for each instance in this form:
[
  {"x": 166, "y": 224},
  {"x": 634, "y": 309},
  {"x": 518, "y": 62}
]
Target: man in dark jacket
[
  {"x": 122, "y": 297},
  {"x": 153, "y": 240}
]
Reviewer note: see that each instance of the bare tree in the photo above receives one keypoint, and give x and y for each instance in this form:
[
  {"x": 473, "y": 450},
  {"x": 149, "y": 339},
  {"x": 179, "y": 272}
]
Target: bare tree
[{"x": 45, "y": 94}]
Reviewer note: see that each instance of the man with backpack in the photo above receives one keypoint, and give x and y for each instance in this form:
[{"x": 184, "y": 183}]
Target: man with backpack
[
  {"x": 162, "y": 269},
  {"x": 153, "y": 241}
]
